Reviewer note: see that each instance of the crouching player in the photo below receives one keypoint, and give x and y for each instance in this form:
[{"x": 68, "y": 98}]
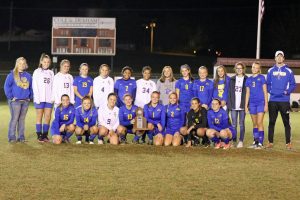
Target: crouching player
[
  {"x": 219, "y": 126},
  {"x": 197, "y": 123},
  {"x": 155, "y": 115},
  {"x": 86, "y": 121},
  {"x": 175, "y": 120},
  {"x": 108, "y": 118},
  {"x": 127, "y": 114},
  {"x": 62, "y": 126}
]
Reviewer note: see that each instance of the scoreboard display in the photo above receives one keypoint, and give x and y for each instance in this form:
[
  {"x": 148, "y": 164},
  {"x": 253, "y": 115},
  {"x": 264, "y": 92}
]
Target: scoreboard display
[{"x": 83, "y": 36}]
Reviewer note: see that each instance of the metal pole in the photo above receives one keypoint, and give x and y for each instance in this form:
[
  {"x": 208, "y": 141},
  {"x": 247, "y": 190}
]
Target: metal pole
[
  {"x": 10, "y": 24},
  {"x": 258, "y": 30},
  {"x": 151, "y": 39}
]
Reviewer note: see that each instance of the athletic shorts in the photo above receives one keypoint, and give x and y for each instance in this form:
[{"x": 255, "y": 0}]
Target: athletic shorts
[
  {"x": 129, "y": 129},
  {"x": 43, "y": 105},
  {"x": 170, "y": 131},
  {"x": 55, "y": 130},
  {"x": 255, "y": 109}
]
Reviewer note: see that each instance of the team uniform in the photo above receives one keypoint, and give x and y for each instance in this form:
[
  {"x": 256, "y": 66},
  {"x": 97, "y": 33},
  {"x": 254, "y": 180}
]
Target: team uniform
[
  {"x": 63, "y": 116},
  {"x": 220, "y": 121},
  {"x": 18, "y": 94},
  {"x": 175, "y": 119},
  {"x": 186, "y": 94},
  {"x": 198, "y": 120},
  {"x": 62, "y": 84},
  {"x": 221, "y": 90},
  {"x": 123, "y": 87},
  {"x": 86, "y": 117},
  {"x": 102, "y": 87},
  {"x": 155, "y": 115},
  {"x": 84, "y": 85},
  {"x": 143, "y": 92},
  {"x": 204, "y": 91},
  {"x": 42, "y": 83},
  {"x": 126, "y": 115},
  {"x": 109, "y": 118},
  {"x": 280, "y": 83}
]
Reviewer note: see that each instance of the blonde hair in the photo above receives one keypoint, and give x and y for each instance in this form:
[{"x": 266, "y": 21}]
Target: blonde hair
[
  {"x": 241, "y": 64},
  {"x": 163, "y": 77},
  {"x": 16, "y": 70},
  {"x": 42, "y": 58},
  {"x": 63, "y": 62},
  {"x": 81, "y": 65},
  {"x": 257, "y": 63},
  {"x": 186, "y": 66}
]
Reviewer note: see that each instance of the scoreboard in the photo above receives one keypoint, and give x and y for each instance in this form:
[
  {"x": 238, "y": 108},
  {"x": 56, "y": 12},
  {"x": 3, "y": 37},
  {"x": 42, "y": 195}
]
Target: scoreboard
[{"x": 83, "y": 36}]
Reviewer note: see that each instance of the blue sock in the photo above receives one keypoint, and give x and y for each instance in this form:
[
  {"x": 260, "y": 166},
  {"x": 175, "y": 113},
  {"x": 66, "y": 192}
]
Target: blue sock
[
  {"x": 38, "y": 128},
  {"x": 100, "y": 137},
  {"x": 122, "y": 137},
  {"x": 79, "y": 137},
  {"x": 136, "y": 138},
  {"x": 150, "y": 135},
  {"x": 45, "y": 128},
  {"x": 255, "y": 134},
  {"x": 92, "y": 137},
  {"x": 215, "y": 139},
  {"x": 225, "y": 140},
  {"x": 68, "y": 135},
  {"x": 261, "y": 137}
]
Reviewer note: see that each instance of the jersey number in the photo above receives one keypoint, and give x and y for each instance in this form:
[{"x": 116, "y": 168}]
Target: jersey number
[
  {"x": 66, "y": 117},
  {"x": 129, "y": 116},
  {"x": 126, "y": 88},
  {"x": 66, "y": 85},
  {"x": 84, "y": 84},
  {"x": 253, "y": 84},
  {"x": 144, "y": 90},
  {"x": 102, "y": 90},
  {"x": 201, "y": 88},
  {"x": 108, "y": 121},
  {"x": 86, "y": 120},
  {"x": 47, "y": 80},
  {"x": 217, "y": 121}
]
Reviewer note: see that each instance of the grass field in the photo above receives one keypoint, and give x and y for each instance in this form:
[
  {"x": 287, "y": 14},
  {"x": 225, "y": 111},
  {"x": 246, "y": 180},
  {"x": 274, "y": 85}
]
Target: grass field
[{"x": 69, "y": 171}]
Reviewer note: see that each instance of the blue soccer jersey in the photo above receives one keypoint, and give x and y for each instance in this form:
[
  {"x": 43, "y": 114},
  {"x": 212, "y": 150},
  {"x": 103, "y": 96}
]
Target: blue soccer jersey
[
  {"x": 155, "y": 115},
  {"x": 255, "y": 84},
  {"x": 218, "y": 120},
  {"x": 83, "y": 87},
  {"x": 86, "y": 117},
  {"x": 175, "y": 117},
  {"x": 62, "y": 116},
  {"x": 126, "y": 115},
  {"x": 123, "y": 87},
  {"x": 204, "y": 91},
  {"x": 221, "y": 89},
  {"x": 185, "y": 88}
]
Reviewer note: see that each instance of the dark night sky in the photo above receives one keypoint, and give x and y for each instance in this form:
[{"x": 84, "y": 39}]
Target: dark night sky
[{"x": 228, "y": 25}]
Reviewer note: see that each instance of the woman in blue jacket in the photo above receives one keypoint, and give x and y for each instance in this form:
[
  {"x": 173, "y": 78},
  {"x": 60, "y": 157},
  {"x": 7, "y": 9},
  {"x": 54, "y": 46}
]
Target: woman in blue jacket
[{"x": 18, "y": 90}]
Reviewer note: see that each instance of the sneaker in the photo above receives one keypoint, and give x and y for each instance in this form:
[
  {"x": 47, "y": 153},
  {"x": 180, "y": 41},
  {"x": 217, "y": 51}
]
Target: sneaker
[
  {"x": 12, "y": 141},
  {"x": 206, "y": 145},
  {"x": 150, "y": 142},
  {"x": 46, "y": 139},
  {"x": 142, "y": 142},
  {"x": 259, "y": 146},
  {"x": 91, "y": 142},
  {"x": 226, "y": 146},
  {"x": 123, "y": 142},
  {"x": 253, "y": 146},
  {"x": 288, "y": 146},
  {"x": 218, "y": 145},
  {"x": 269, "y": 146},
  {"x": 79, "y": 142},
  {"x": 240, "y": 145},
  {"x": 40, "y": 140},
  {"x": 100, "y": 142}
]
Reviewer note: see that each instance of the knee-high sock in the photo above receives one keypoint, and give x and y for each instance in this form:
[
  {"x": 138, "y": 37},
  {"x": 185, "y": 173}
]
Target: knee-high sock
[
  {"x": 46, "y": 128},
  {"x": 261, "y": 137},
  {"x": 100, "y": 137},
  {"x": 150, "y": 134},
  {"x": 191, "y": 135},
  {"x": 225, "y": 140},
  {"x": 136, "y": 138},
  {"x": 215, "y": 139},
  {"x": 255, "y": 134},
  {"x": 38, "y": 128},
  {"x": 92, "y": 137},
  {"x": 79, "y": 137},
  {"x": 68, "y": 135}
]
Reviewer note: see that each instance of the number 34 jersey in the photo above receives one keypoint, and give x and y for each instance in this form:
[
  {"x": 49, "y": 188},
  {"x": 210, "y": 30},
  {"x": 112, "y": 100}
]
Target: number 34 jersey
[
  {"x": 101, "y": 89},
  {"x": 143, "y": 92},
  {"x": 42, "y": 82}
]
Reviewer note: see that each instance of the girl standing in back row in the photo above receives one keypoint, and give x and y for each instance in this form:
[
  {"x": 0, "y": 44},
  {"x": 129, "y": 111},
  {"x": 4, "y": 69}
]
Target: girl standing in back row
[
  {"x": 42, "y": 83},
  {"x": 166, "y": 84}
]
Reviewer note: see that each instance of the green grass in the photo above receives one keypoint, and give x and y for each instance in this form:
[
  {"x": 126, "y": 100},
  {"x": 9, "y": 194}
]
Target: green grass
[{"x": 47, "y": 171}]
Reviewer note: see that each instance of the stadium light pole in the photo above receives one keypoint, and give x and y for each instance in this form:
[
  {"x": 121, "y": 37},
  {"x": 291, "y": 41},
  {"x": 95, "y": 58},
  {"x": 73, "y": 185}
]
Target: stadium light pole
[{"x": 152, "y": 26}]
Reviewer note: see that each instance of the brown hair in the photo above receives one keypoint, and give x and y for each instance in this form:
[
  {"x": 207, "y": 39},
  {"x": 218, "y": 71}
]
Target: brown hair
[
  {"x": 186, "y": 66},
  {"x": 241, "y": 64},
  {"x": 216, "y": 81},
  {"x": 163, "y": 77}
]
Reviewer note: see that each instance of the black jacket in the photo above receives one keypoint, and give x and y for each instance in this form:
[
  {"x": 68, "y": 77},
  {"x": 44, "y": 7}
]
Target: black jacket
[
  {"x": 231, "y": 93},
  {"x": 198, "y": 119}
]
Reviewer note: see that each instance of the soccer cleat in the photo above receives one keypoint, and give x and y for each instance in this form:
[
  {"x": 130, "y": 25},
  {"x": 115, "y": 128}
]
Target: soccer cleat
[
  {"x": 100, "y": 142},
  {"x": 269, "y": 146},
  {"x": 142, "y": 141},
  {"x": 253, "y": 146},
  {"x": 259, "y": 146},
  {"x": 288, "y": 146},
  {"x": 240, "y": 144},
  {"x": 79, "y": 142},
  {"x": 206, "y": 145},
  {"x": 218, "y": 145},
  {"x": 91, "y": 142}
]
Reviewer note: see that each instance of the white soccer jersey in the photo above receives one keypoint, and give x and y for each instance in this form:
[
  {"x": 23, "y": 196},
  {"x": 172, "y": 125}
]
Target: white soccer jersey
[
  {"x": 62, "y": 84},
  {"x": 143, "y": 92},
  {"x": 101, "y": 89},
  {"x": 42, "y": 82},
  {"x": 109, "y": 118}
]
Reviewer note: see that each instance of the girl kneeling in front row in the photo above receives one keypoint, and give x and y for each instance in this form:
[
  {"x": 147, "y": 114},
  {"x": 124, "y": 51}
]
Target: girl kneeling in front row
[
  {"x": 62, "y": 126},
  {"x": 86, "y": 121},
  {"x": 219, "y": 126},
  {"x": 108, "y": 117}
]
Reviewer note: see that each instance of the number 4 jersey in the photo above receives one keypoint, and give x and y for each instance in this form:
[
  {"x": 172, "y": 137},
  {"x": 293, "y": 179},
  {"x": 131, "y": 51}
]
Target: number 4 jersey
[
  {"x": 42, "y": 81},
  {"x": 101, "y": 89}
]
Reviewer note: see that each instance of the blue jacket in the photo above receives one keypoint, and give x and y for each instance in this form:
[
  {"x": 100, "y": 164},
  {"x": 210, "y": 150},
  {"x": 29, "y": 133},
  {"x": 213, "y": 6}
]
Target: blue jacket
[
  {"x": 280, "y": 80},
  {"x": 19, "y": 90}
]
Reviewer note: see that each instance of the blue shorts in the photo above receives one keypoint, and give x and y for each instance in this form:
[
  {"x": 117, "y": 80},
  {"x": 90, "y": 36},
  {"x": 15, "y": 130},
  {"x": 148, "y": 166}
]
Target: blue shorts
[
  {"x": 129, "y": 129},
  {"x": 254, "y": 109},
  {"x": 43, "y": 105},
  {"x": 170, "y": 131},
  {"x": 55, "y": 130}
]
